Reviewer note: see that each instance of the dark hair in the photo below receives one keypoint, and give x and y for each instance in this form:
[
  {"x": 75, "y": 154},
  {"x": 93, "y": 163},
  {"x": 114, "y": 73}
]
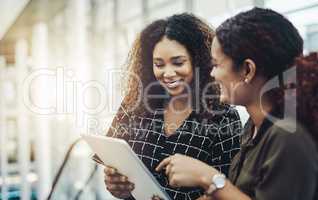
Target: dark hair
[
  {"x": 275, "y": 45},
  {"x": 262, "y": 35},
  {"x": 194, "y": 34}
]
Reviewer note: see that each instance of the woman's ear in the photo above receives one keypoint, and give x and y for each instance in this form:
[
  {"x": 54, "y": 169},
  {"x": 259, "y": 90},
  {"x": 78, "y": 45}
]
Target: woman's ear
[{"x": 249, "y": 70}]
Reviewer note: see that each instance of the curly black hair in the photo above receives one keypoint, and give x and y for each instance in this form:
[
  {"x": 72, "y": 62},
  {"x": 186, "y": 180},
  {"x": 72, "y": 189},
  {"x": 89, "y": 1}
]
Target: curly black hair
[
  {"x": 190, "y": 31},
  {"x": 262, "y": 35}
]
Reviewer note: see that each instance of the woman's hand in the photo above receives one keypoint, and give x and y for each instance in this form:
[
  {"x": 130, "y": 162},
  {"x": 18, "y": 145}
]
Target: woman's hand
[
  {"x": 155, "y": 197},
  {"x": 204, "y": 198},
  {"x": 184, "y": 171},
  {"x": 117, "y": 184}
]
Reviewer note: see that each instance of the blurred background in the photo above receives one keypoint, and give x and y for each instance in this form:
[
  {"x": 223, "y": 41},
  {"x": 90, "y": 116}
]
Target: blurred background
[{"x": 60, "y": 63}]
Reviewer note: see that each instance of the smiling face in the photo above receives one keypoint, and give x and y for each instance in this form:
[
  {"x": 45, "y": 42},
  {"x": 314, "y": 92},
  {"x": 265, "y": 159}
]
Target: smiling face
[
  {"x": 233, "y": 89},
  {"x": 172, "y": 66}
]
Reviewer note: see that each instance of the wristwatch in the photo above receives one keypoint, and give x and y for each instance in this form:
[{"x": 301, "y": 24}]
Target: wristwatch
[{"x": 218, "y": 182}]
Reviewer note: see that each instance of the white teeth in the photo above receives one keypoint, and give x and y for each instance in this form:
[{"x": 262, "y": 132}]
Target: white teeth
[{"x": 172, "y": 84}]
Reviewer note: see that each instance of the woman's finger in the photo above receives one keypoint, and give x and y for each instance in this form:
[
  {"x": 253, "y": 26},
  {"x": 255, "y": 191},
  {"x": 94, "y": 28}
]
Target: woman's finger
[
  {"x": 168, "y": 170},
  {"x": 171, "y": 171},
  {"x": 127, "y": 187},
  {"x": 117, "y": 179},
  {"x": 110, "y": 170},
  {"x": 121, "y": 194},
  {"x": 163, "y": 164},
  {"x": 155, "y": 197},
  {"x": 173, "y": 181}
]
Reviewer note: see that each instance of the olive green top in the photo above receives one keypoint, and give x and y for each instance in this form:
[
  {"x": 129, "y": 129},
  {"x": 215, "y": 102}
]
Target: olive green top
[{"x": 280, "y": 163}]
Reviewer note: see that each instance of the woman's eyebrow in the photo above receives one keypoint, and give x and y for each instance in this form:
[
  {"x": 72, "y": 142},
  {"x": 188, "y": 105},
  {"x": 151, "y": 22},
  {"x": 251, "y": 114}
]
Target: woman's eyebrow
[
  {"x": 157, "y": 59},
  {"x": 178, "y": 57}
]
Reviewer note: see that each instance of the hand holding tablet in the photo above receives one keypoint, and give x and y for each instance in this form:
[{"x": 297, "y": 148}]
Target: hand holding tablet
[{"x": 118, "y": 154}]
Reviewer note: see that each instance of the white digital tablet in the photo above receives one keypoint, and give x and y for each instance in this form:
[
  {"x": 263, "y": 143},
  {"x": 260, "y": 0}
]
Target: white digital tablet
[{"x": 117, "y": 153}]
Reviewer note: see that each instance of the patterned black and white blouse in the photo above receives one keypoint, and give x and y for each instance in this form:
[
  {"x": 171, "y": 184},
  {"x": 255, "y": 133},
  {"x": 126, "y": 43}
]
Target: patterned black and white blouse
[{"x": 213, "y": 140}]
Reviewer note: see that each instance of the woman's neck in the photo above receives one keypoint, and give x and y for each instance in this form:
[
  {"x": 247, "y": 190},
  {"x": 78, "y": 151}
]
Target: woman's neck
[
  {"x": 180, "y": 104},
  {"x": 258, "y": 112}
]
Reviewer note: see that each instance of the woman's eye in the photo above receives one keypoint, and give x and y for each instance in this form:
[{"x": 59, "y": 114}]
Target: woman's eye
[
  {"x": 214, "y": 65},
  {"x": 178, "y": 63},
  {"x": 158, "y": 65}
]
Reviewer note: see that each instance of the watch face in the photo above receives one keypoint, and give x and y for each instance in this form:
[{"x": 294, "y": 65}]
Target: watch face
[{"x": 219, "y": 180}]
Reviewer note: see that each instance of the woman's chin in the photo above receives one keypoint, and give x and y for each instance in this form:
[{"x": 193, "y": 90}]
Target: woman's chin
[
  {"x": 224, "y": 99},
  {"x": 175, "y": 91}
]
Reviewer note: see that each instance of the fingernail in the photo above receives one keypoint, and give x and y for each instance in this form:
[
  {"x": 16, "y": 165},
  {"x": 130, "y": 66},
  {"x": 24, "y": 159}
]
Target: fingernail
[{"x": 123, "y": 178}]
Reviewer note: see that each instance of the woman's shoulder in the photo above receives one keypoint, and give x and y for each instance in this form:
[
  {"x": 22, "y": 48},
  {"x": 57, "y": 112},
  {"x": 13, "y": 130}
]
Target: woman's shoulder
[
  {"x": 223, "y": 113},
  {"x": 288, "y": 144},
  {"x": 124, "y": 115},
  {"x": 123, "y": 111},
  {"x": 223, "y": 119},
  {"x": 288, "y": 128},
  {"x": 290, "y": 135}
]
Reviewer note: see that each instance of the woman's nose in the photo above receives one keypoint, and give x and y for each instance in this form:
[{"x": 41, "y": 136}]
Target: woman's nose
[
  {"x": 169, "y": 72},
  {"x": 212, "y": 73}
]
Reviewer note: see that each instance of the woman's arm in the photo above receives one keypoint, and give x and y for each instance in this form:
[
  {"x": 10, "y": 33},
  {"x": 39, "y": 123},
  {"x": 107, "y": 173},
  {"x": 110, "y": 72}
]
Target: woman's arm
[
  {"x": 116, "y": 183},
  {"x": 184, "y": 171},
  {"x": 121, "y": 124},
  {"x": 228, "y": 192}
]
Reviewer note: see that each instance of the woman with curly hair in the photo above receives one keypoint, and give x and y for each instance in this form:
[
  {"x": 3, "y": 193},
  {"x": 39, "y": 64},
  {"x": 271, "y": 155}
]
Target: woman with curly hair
[
  {"x": 254, "y": 54},
  {"x": 170, "y": 107}
]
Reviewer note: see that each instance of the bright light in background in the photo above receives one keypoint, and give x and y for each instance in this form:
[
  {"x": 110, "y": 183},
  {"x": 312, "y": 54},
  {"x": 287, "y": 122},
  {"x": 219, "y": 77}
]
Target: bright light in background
[
  {"x": 284, "y": 6},
  {"x": 42, "y": 125},
  {"x": 79, "y": 37},
  {"x": 9, "y": 11}
]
